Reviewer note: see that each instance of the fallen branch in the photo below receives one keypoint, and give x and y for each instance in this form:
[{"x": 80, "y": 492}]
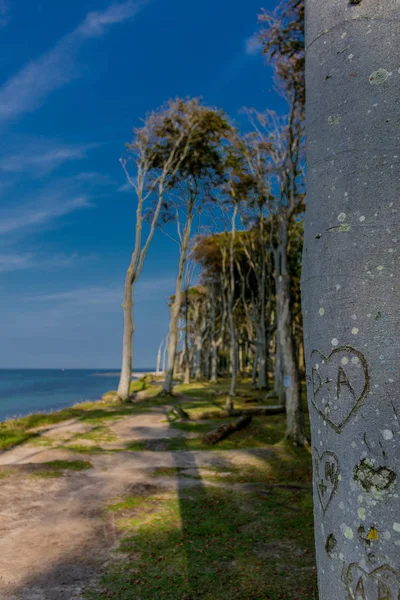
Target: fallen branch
[
  {"x": 224, "y": 430},
  {"x": 260, "y": 410}
]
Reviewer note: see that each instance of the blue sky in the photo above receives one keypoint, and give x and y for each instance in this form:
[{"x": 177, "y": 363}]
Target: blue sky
[{"x": 75, "y": 77}]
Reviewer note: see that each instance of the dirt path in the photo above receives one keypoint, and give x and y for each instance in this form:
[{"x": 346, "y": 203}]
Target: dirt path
[{"x": 55, "y": 531}]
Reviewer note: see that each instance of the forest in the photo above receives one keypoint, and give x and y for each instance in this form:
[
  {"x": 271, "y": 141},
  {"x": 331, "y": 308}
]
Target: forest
[{"x": 233, "y": 203}]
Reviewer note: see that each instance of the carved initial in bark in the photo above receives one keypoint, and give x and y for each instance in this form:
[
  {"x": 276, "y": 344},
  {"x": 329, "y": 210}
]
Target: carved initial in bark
[
  {"x": 340, "y": 383},
  {"x": 327, "y": 471}
]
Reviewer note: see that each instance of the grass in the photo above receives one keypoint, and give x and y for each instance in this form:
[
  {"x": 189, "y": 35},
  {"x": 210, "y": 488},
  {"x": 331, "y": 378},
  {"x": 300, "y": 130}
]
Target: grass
[
  {"x": 239, "y": 532},
  {"x": 81, "y": 449},
  {"x": 57, "y": 468},
  {"x": 253, "y": 541},
  {"x": 99, "y": 433},
  {"x": 213, "y": 543},
  {"x": 136, "y": 446},
  {"x": 261, "y": 432}
]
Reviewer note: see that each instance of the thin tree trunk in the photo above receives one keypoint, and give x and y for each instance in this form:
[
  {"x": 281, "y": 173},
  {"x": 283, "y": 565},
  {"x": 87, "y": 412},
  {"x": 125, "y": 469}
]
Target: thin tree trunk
[
  {"x": 164, "y": 368},
  {"x": 213, "y": 341},
  {"x": 351, "y": 294},
  {"x": 186, "y": 378},
  {"x": 262, "y": 353},
  {"x": 255, "y": 366},
  {"x": 176, "y": 308},
  {"x": 278, "y": 366},
  {"x": 214, "y": 363},
  {"x": 197, "y": 344},
  {"x": 286, "y": 355},
  {"x": 158, "y": 369},
  {"x": 294, "y": 420},
  {"x": 126, "y": 368},
  {"x": 230, "y": 306}
]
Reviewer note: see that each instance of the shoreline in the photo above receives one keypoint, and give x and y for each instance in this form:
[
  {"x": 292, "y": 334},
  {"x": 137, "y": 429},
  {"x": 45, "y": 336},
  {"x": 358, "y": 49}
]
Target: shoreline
[
  {"x": 135, "y": 375},
  {"x": 53, "y": 411}
]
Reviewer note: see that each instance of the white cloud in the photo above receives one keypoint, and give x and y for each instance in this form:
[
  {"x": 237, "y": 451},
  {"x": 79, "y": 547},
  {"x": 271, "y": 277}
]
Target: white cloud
[
  {"x": 14, "y": 262},
  {"x": 22, "y": 262},
  {"x": 38, "y": 157},
  {"x": 126, "y": 187},
  {"x": 111, "y": 295},
  {"x": 4, "y": 12},
  {"x": 83, "y": 296},
  {"x": 96, "y": 22},
  {"x": 253, "y": 45},
  {"x": 93, "y": 177},
  {"x": 28, "y": 89},
  {"x": 14, "y": 220}
]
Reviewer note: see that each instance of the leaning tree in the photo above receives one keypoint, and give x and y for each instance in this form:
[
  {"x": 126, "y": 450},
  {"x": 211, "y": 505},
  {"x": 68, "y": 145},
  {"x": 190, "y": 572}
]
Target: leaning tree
[
  {"x": 190, "y": 189},
  {"x": 152, "y": 162},
  {"x": 351, "y": 293}
]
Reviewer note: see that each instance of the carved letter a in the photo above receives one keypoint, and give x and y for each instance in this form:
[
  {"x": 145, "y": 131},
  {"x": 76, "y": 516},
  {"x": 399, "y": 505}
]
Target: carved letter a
[{"x": 342, "y": 380}]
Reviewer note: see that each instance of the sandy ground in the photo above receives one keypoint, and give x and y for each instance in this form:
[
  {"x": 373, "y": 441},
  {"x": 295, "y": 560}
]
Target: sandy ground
[{"x": 55, "y": 532}]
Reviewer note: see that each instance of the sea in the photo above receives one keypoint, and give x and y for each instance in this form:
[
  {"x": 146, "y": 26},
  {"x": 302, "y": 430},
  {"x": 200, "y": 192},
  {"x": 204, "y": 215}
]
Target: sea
[{"x": 26, "y": 391}]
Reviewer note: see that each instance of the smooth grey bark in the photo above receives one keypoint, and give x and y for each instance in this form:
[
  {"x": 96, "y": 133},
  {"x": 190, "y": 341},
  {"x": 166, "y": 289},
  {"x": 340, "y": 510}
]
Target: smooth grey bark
[
  {"x": 127, "y": 353},
  {"x": 351, "y": 293},
  {"x": 134, "y": 270},
  {"x": 255, "y": 366},
  {"x": 234, "y": 356},
  {"x": 158, "y": 369},
  {"x": 213, "y": 335},
  {"x": 286, "y": 357},
  {"x": 164, "y": 367},
  {"x": 176, "y": 306},
  {"x": 200, "y": 326},
  {"x": 261, "y": 342},
  {"x": 186, "y": 376}
]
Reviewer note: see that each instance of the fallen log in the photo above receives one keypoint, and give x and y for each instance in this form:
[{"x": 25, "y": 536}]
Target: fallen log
[
  {"x": 226, "y": 429},
  {"x": 260, "y": 410}
]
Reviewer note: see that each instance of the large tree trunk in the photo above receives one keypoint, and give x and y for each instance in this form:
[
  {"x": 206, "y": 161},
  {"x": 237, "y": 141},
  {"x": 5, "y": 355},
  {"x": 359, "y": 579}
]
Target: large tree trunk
[{"x": 351, "y": 293}]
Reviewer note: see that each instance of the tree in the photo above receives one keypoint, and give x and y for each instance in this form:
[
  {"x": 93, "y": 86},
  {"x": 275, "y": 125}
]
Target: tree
[
  {"x": 282, "y": 39},
  {"x": 200, "y": 170},
  {"x": 273, "y": 155},
  {"x": 351, "y": 294},
  {"x": 157, "y": 152}
]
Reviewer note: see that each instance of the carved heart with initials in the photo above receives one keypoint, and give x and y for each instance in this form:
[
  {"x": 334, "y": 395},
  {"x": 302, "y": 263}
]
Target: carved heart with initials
[
  {"x": 327, "y": 471},
  {"x": 382, "y": 583},
  {"x": 340, "y": 383}
]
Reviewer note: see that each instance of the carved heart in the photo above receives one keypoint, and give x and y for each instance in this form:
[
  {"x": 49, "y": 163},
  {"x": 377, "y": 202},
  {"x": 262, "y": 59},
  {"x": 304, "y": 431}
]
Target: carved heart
[
  {"x": 382, "y": 583},
  {"x": 327, "y": 471},
  {"x": 340, "y": 383}
]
